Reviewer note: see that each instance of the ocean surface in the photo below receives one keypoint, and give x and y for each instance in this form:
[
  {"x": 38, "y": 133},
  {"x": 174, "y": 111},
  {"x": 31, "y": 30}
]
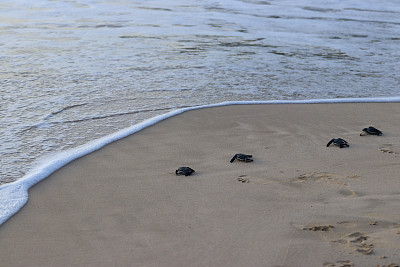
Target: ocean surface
[{"x": 74, "y": 75}]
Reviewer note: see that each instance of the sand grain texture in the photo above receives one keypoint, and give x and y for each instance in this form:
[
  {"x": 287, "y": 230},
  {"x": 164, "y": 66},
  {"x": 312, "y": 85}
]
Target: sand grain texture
[{"x": 299, "y": 203}]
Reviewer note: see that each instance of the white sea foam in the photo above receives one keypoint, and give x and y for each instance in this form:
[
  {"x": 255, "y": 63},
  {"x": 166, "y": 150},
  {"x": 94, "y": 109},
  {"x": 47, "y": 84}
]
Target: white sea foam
[
  {"x": 13, "y": 196},
  {"x": 95, "y": 70}
]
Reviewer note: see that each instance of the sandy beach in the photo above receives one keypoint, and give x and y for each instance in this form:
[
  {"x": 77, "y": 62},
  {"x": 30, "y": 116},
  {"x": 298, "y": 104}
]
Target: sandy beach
[{"x": 299, "y": 203}]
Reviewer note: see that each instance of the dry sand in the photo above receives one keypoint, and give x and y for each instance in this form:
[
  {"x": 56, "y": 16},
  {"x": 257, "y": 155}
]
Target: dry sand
[{"x": 300, "y": 203}]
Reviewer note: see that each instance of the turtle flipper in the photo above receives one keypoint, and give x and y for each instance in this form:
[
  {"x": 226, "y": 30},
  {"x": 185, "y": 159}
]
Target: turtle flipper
[
  {"x": 233, "y": 159},
  {"x": 364, "y": 132},
  {"x": 330, "y": 142}
]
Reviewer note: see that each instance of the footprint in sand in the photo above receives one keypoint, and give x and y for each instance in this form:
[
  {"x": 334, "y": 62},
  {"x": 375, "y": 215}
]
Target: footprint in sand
[
  {"x": 252, "y": 180},
  {"x": 333, "y": 178},
  {"x": 319, "y": 227},
  {"x": 389, "y": 148},
  {"x": 349, "y": 235},
  {"x": 358, "y": 242},
  {"x": 327, "y": 176},
  {"x": 244, "y": 179}
]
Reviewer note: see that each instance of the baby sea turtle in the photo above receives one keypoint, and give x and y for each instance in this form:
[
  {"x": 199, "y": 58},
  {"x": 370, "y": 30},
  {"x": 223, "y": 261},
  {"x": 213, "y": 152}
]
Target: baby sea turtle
[
  {"x": 370, "y": 130},
  {"x": 242, "y": 157},
  {"x": 338, "y": 142},
  {"x": 184, "y": 171}
]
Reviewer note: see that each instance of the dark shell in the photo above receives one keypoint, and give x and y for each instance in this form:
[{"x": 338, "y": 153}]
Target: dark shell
[
  {"x": 338, "y": 142},
  {"x": 370, "y": 130},
  {"x": 242, "y": 157},
  {"x": 184, "y": 171}
]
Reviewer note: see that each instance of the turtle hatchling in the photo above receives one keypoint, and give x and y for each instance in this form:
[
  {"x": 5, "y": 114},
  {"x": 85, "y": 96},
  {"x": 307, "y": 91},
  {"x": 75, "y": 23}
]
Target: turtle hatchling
[
  {"x": 370, "y": 130},
  {"x": 242, "y": 157},
  {"x": 184, "y": 171},
  {"x": 338, "y": 142}
]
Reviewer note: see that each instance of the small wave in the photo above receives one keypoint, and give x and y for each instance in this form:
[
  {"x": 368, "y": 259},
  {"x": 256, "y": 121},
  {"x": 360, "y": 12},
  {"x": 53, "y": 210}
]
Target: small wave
[
  {"x": 101, "y": 26},
  {"x": 154, "y": 8},
  {"x": 265, "y": 3},
  {"x": 320, "y": 9},
  {"x": 63, "y": 109},
  {"x": 110, "y": 115},
  {"x": 140, "y": 36},
  {"x": 370, "y": 10},
  {"x": 247, "y": 43},
  {"x": 47, "y": 123},
  {"x": 367, "y": 21},
  {"x": 325, "y": 19},
  {"x": 329, "y": 55}
]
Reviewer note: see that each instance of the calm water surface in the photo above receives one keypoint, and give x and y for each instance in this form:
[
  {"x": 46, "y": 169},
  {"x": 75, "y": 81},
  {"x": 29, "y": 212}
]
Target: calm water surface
[{"x": 73, "y": 71}]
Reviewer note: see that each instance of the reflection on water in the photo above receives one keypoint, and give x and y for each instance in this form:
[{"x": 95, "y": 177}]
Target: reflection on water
[{"x": 72, "y": 71}]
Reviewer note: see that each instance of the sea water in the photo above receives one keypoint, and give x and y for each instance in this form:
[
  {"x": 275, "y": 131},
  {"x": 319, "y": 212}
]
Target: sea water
[{"x": 76, "y": 75}]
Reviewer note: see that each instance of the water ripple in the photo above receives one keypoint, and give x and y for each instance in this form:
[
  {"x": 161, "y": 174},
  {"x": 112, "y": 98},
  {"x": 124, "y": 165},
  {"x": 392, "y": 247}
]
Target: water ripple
[{"x": 72, "y": 72}]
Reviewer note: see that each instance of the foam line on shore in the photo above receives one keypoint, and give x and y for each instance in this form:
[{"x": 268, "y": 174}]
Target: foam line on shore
[{"x": 13, "y": 196}]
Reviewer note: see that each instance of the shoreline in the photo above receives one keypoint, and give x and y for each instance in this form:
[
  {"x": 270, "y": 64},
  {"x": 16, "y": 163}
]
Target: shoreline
[
  {"x": 123, "y": 203},
  {"x": 13, "y": 196}
]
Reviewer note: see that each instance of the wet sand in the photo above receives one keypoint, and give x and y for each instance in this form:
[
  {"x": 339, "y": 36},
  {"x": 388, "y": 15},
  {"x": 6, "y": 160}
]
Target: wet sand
[{"x": 299, "y": 203}]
